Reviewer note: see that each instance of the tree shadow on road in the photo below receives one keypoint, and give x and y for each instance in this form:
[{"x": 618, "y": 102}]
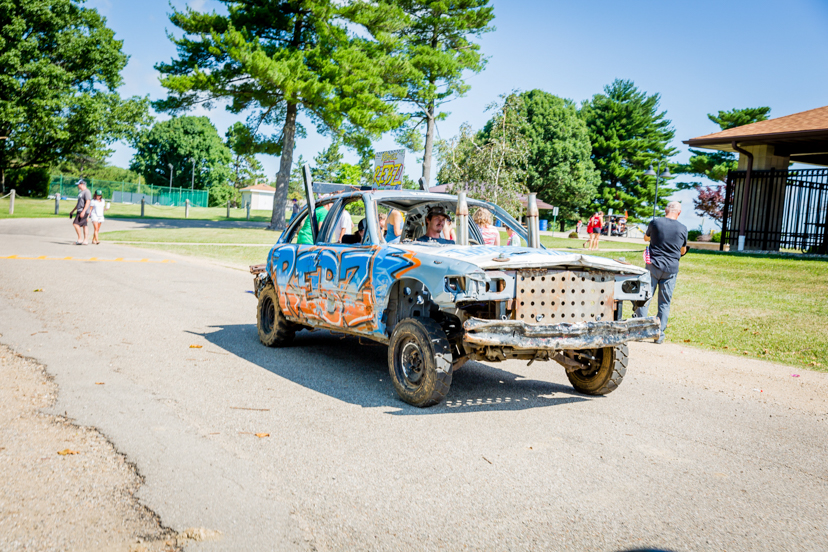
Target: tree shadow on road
[{"x": 356, "y": 371}]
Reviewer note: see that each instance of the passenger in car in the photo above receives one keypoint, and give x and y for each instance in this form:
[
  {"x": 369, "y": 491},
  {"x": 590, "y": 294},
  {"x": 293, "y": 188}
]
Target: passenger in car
[
  {"x": 356, "y": 237},
  {"x": 484, "y": 220},
  {"x": 435, "y": 220}
]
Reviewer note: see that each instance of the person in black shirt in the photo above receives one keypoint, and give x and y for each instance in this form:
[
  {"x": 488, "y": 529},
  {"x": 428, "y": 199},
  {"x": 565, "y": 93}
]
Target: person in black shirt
[{"x": 668, "y": 243}]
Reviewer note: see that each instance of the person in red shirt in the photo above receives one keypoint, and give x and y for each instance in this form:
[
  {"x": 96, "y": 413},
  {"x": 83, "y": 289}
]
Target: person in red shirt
[{"x": 594, "y": 225}]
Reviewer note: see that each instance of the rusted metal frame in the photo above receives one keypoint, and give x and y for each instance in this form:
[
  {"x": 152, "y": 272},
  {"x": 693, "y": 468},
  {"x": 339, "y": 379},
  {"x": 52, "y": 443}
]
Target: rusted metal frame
[
  {"x": 725, "y": 231},
  {"x": 589, "y": 335}
]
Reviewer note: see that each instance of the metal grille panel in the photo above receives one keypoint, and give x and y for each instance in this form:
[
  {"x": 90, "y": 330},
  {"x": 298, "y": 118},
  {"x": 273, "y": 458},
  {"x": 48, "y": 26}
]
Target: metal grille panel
[{"x": 554, "y": 296}]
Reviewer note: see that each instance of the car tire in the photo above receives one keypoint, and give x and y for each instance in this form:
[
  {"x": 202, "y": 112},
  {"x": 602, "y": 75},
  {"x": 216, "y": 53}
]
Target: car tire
[
  {"x": 419, "y": 361},
  {"x": 274, "y": 329},
  {"x": 605, "y": 373}
]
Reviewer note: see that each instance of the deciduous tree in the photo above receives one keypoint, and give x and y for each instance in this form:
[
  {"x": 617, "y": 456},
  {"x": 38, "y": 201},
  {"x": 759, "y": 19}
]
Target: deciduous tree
[
  {"x": 178, "y": 142},
  {"x": 490, "y": 164},
  {"x": 60, "y": 68},
  {"x": 278, "y": 58},
  {"x": 628, "y": 133},
  {"x": 559, "y": 167}
]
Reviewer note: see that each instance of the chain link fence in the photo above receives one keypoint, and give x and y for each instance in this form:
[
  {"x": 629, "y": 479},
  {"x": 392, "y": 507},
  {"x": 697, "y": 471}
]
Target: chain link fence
[{"x": 128, "y": 192}]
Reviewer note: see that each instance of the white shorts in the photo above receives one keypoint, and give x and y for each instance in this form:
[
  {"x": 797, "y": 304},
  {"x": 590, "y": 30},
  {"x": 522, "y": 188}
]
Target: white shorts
[{"x": 93, "y": 218}]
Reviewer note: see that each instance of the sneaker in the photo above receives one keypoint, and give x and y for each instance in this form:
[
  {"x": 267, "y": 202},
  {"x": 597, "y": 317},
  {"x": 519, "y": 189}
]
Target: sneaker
[{"x": 660, "y": 339}]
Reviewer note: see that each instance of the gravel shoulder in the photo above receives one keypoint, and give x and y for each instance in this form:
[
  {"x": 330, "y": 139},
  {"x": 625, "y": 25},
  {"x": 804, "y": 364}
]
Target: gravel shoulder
[{"x": 64, "y": 486}]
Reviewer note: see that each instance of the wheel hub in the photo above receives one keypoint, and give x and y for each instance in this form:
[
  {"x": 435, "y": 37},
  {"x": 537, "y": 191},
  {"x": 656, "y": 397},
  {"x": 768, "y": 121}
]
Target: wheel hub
[{"x": 411, "y": 360}]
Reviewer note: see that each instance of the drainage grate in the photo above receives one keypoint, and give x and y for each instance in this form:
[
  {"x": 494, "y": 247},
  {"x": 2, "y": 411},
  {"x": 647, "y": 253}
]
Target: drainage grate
[{"x": 552, "y": 297}]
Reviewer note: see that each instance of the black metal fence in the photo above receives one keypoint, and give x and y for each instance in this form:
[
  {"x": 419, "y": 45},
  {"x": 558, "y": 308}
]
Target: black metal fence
[{"x": 785, "y": 209}]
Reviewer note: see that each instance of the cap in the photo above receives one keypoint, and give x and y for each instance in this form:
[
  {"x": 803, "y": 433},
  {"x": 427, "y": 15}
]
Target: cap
[
  {"x": 437, "y": 210},
  {"x": 99, "y": 192}
]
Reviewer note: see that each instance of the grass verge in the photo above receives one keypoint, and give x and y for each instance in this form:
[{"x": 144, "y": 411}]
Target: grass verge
[
  {"x": 25, "y": 207},
  {"x": 195, "y": 235}
]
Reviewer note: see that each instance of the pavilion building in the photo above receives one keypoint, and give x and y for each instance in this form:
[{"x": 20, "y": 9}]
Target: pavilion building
[{"x": 768, "y": 205}]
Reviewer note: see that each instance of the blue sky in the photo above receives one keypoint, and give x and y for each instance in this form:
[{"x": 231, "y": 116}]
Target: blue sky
[{"x": 701, "y": 56}]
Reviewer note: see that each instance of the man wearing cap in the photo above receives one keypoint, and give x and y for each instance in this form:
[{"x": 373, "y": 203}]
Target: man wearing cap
[
  {"x": 435, "y": 220},
  {"x": 83, "y": 207}
]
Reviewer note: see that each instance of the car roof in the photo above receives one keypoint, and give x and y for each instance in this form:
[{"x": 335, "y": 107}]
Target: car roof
[{"x": 403, "y": 199}]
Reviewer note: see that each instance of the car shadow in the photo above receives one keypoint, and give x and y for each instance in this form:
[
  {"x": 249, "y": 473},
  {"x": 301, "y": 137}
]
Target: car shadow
[{"x": 355, "y": 371}]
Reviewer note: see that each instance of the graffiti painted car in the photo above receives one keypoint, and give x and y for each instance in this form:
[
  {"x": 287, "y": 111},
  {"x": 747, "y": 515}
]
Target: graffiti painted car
[{"x": 437, "y": 305}]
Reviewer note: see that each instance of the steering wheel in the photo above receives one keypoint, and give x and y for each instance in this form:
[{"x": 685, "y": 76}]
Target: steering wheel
[{"x": 473, "y": 242}]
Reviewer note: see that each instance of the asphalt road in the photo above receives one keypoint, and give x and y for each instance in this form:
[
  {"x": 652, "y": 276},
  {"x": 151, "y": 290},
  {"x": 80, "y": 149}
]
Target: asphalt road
[{"x": 688, "y": 454}]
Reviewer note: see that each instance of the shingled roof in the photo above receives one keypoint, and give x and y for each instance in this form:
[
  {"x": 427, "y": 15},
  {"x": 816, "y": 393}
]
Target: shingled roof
[{"x": 798, "y": 125}]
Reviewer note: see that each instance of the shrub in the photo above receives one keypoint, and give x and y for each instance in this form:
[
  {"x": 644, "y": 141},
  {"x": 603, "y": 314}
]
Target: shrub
[
  {"x": 693, "y": 235},
  {"x": 30, "y": 182},
  {"x": 573, "y": 235},
  {"x": 717, "y": 237}
]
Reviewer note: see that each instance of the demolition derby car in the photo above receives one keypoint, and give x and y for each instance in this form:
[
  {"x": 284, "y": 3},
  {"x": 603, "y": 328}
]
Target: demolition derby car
[{"x": 438, "y": 305}]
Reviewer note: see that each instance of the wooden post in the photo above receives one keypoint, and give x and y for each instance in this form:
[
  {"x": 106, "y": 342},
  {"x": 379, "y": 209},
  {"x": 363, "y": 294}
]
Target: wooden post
[
  {"x": 248, "y": 210},
  {"x": 228, "y": 208},
  {"x": 186, "y": 208},
  {"x": 11, "y": 202},
  {"x": 57, "y": 204},
  {"x": 143, "y": 202}
]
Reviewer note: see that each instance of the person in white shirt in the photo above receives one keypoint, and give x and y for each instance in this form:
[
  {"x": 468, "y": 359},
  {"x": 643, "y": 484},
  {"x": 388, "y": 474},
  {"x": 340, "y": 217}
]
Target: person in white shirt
[
  {"x": 346, "y": 225},
  {"x": 97, "y": 214}
]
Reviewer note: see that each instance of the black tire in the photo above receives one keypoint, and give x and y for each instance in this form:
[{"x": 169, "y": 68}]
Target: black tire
[
  {"x": 274, "y": 329},
  {"x": 419, "y": 361},
  {"x": 604, "y": 374}
]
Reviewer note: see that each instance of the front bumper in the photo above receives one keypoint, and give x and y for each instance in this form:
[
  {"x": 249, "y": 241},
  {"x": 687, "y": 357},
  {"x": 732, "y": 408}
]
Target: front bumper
[{"x": 554, "y": 337}]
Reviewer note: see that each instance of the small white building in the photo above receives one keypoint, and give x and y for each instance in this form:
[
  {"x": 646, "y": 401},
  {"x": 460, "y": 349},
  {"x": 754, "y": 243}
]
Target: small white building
[{"x": 259, "y": 196}]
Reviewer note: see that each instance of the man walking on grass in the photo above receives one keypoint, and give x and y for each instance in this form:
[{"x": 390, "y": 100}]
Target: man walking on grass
[{"x": 668, "y": 243}]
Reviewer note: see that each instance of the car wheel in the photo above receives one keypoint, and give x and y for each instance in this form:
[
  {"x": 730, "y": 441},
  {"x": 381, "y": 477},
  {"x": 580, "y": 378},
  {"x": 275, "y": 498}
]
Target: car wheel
[
  {"x": 274, "y": 329},
  {"x": 419, "y": 361},
  {"x": 605, "y": 372}
]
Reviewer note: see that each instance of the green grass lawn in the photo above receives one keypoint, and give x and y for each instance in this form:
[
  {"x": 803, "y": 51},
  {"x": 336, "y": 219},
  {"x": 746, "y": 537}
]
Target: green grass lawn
[
  {"x": 45, "y": 208},
  {"x": 195, "y": 235},
  {"x": 238, "y": 256},
  {"x": 768, "y": 307}
]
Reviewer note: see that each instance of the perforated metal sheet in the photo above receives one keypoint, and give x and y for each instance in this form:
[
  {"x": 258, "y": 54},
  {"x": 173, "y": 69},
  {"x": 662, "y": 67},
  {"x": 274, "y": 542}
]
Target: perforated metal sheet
[{"x": 550, "y": 296}]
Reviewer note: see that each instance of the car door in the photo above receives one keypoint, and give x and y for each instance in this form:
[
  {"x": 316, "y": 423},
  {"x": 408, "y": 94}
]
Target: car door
[{"x": 346, "y": 297}]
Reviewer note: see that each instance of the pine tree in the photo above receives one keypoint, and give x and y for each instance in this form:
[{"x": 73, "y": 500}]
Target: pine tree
[
  {"x": 279, "y": 58},
  {"x": 327, "y": 163},
  {"x": 628, "y": 133},
  {"x": 559, "y": 168},
  {"x": 715, "y": 165},
  {"x": 436, "y": 43}
]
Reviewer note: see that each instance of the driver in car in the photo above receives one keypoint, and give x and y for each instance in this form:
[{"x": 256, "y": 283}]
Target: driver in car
[{"x": 435, "y": 220}]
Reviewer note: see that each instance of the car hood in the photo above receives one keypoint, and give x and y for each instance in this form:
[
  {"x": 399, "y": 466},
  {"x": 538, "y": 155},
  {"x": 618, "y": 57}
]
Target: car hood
[{"x": 492, "y": 257}]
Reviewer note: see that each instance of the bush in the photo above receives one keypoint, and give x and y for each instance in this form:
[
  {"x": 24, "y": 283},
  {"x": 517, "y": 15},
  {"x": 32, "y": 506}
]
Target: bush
[
  {"x": 220, "y": 194},
  {"x": 574, "y": 235},
  {"x": 717, "y": 237},
  {"x": 693, "y": 235},
  {"x": 31, "y": 182}
]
